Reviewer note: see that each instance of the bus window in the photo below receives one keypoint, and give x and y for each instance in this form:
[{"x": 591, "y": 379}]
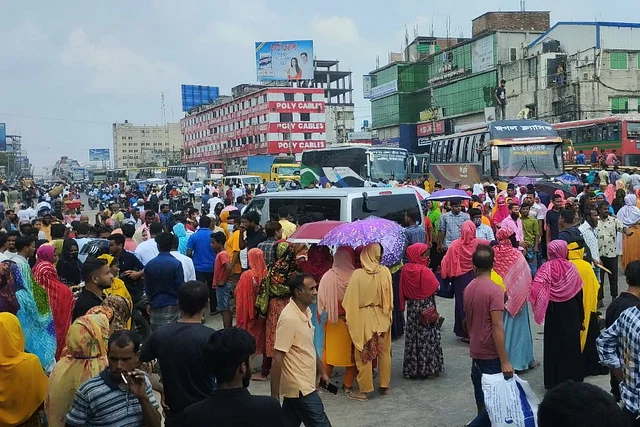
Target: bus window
[
  {"x": 464, "y": 152},
  {"x": 453, "y": 150},
  {"x": 614, "y": 131},
  {"x": 473, "y": 148},
  {"x": 439, "y": 150}
]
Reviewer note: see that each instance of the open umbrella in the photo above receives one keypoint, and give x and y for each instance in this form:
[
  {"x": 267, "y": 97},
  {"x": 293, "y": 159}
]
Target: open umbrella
[
  {"x": 370, "y": 230},
  {"x": 522, "y": 181},
  {"x": 229, "y": 209},
  {"x": 550, "y": 187},
  {"x": 313, "y": 232},
  {"x": 448, "y": 194},
  {"x": 420, "y": 192},
  {"x": 569, "y": 179}
]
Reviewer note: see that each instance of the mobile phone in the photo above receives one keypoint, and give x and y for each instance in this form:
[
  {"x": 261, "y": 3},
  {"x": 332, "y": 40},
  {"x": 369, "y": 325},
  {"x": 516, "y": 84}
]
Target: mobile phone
[{"x": 331, "y": 388}]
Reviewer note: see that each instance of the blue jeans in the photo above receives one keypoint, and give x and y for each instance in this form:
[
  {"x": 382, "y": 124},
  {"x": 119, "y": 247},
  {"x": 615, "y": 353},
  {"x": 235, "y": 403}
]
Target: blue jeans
[
  {"x": 222, "y": 296},
  {"x": 305, "y": 409},
  {"x": 479, "y": 367},
  {"x": 532, "y": 260}
]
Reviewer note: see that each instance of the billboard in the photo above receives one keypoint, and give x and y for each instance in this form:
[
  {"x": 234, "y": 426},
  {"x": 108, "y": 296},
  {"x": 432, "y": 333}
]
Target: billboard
[
  {"x": 284, "y": 60},
  {"x": 482, "y": 54},
  {"x": 195, "y": 96},
  {"x": 366, "y": 86},
  {"x": 98, "y": 154},
  {"x": 3, "y": 137},
  {"x": 383, "y": 90}
]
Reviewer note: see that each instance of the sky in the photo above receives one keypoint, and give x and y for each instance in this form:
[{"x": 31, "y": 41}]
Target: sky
[{"x": 69, "y": 70}]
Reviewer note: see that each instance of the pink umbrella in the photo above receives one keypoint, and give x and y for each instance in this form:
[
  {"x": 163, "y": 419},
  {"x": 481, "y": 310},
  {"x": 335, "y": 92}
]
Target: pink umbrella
[
  {"x": 313, "y": 232},
  {"x": 420, "y": 192},
  {"x": 229, "y": 209}
]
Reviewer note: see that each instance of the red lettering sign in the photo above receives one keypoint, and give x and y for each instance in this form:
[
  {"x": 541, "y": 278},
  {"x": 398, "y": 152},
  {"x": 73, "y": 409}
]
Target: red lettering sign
[
  {"x": 431, "y": 128},
  {"x": 297, "y": 127},
  {"x": 294, "y": 147}
]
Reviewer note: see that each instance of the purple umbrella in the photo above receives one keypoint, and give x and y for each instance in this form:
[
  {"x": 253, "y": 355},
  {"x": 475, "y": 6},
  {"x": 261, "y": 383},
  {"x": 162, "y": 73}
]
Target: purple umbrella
[
  {"x": 523, "y": 181},
  {"x": 448, "y": 194},
  {"x": 366, "y": 231}
]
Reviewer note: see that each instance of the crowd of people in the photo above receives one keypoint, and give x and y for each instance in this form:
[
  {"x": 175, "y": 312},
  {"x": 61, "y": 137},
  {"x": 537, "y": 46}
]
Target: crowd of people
[{"x": 93, "y": 329}]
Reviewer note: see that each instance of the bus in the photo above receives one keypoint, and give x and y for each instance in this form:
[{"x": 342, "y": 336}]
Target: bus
[
  {"x": 620, "y": 133},
  {"x": 150, "y": 172},
  {"x": 189, "y": 172},
  {"x": 216, "y": 169},
  {"x": 349, "y": 165},
  {"x": 498, "y": 150}
]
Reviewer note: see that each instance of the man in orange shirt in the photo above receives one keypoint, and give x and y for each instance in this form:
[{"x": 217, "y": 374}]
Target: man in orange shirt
[{"x": 222, "y": 271}]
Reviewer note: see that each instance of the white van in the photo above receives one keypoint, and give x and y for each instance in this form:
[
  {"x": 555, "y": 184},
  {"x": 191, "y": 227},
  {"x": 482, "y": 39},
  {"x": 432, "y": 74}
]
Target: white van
[
  {"x": 241, "y": 180},
  {"x": 339, "y": 204}
]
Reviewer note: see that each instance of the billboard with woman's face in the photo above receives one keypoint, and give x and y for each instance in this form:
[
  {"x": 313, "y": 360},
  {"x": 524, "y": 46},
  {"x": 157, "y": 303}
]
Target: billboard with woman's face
[{"x": 284, "y": 60}]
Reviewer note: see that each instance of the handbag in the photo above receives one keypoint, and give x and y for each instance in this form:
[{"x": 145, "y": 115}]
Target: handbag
[
  {"x": 445, "y": 290},
  {"x": 429, "y": 316}
]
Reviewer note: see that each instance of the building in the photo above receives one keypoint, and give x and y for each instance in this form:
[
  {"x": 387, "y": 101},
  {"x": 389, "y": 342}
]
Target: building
[
  {"x": 142, "y": 145},
  {"x": 338, "y": 97},
  {"x": 575, "y": 71},
  {"x": 256, "y": 119},
  {"x": 14, "y": 161},
  {"x": 68, "y": 169},
  {"x": 446, "y": 85}
]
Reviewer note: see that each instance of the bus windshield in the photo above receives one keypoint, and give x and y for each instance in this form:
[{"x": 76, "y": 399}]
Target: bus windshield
[
  {"x": 633, "y": 130},
  {"x": 388, "y": 163},
  {"x": 532, "y": 160}
]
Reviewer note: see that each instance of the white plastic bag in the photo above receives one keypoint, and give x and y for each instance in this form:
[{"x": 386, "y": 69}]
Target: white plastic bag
[{"x": 509, "y": 403}]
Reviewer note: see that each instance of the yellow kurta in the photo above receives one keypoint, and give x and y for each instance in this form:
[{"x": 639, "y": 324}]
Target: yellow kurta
[{"x": 590, "y": 287}]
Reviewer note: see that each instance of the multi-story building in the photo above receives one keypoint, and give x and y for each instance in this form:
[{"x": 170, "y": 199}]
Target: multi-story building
[
  {"x": 338, "y": 96},
  {"x": 255, "y": 120},
  {"x": 142, "y": 145},
  {"x": 575, "y": 71}
]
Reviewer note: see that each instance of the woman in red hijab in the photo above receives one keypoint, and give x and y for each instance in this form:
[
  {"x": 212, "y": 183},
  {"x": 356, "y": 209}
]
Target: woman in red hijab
[
  {"x": 423, "y": 356},
  {"x": 246, "y": 293}
]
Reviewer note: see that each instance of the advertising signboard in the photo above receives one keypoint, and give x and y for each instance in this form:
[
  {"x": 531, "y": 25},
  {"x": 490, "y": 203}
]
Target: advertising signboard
[
  {"x": 294, "y": 147},
  {"x": 431, "y": 128},
  {"x": 298, "y": 127},
  {"x": 195, "y": 95},
  {"x": 297, "y": 107},
  {"x": 3, "y": 137},
  {"x": 284, "y": 60},
  {"x": 366, "y": 86},
  {"x": 384, "y": 89},
  {"x": 482, "y": 54},
  {"x": 98, "y": 154}
]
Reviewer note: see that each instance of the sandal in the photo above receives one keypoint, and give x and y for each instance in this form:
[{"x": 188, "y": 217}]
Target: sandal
[
  {"x": 360, "y": 397},
  {"x": 259, "y": 377}
]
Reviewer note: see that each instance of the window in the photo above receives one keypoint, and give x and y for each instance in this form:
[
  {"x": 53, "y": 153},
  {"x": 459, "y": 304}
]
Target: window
[
  {"x": 307, "y": 96},
  {"x": 618, "y": 60},
  {"x": 286, "y": 117},
  {"x": 330, "y": 208},
  {"x": 513, "y": 54},
  {"x": 308, "y": 136},
  {"x": 288, "y": 97},
  {"x": 391, "y": 207},
  {"x": 286, "y": 136},
  {"x": 619, "y": 105},
  {"x": 305, "y": 117}
]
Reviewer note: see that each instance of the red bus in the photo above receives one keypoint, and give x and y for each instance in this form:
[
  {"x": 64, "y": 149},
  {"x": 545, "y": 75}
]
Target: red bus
[
  {"x": 215, "y": 168},
  {"x": 620, "y": 133}
]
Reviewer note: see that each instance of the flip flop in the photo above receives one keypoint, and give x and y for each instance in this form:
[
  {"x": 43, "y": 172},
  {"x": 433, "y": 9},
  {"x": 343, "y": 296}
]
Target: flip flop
[{"x": 359, "y": 398}]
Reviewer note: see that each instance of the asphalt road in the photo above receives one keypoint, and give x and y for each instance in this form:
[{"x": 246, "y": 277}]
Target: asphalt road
[{"x": 443, "y": 402}]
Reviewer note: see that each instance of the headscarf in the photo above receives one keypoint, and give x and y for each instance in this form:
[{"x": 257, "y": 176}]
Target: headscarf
[
  {"x": 23, "y": 384},
  {"x": 629, "y": 214},
  {"x": 275, "y": 284},
  {"x": 434, "y": 214},
  {"x": 318, "y": 262},
  {"x": 248, "y": 287},
  {"x": 478, "y": 189},
  {"x": 121, "y": 308},
  {"x": 457, "y": 261},
  {"x": 417, "y": 282},
  {"x": 334, "y": 283},
  {"x": 501, "y": 210},
  {"x": 556, "y": 280},
  {"x": 223, "y": 222},
  {"x": 60, "y": 296},
  {"x": 620, "y": 184},
  {"x": 85, "y": 357},
  {"x": 69, "y": 269},
  {"x": 181, "y": 233},
  {"x": 8, "y": 300},
  {"x": 514, "y": 270},
  {"x": 368, "y": 300},
  {"x": 557, "y": 193},
  {"x": 590, "y": 287}
]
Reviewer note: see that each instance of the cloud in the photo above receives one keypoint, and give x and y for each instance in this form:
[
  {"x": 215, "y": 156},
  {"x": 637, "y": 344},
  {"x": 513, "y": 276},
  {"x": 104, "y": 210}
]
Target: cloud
[
  {"x": 116, "y": 70},
  {"x": 338, "y": 30},
  {"x": 26, "y": 40}
]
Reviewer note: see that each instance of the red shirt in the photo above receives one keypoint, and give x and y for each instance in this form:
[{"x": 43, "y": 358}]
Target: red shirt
[
  {"x": 219, "y": 267},
  {"x": 481, "y": 297}
]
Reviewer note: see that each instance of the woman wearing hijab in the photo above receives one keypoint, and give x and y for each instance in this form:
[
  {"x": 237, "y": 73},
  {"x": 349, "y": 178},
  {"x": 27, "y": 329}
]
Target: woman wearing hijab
[
  {"x": 60, "y": 296},
  {"x": 501, "y": 210},
  {"x": 181, "y": 233},
  {"x": 515, "y": 274},
  {"x": 117, "y": 284},
  {"x": 122, "y": 308},
  {"x": 423, "y": 356},
  {"x": 85, "y": 357},
  {"x": 368, "y": 303},
  {"x": 434, "y": 213},
  {"x": 274, "y": 297},
  {"x": 8, "y": 300},
  {"x": 629, "y": 214},
  {"x": 23, "y": 384},
  {"x": 246, "y": 293},
  {"x": 610, "y": 193},
  {"x": 69, "y": 266},
  {"x": 556, "y": 299},
  {"x": 618, "y": 201},
  {"x": 457, "y": 265},
  {"x": 338, "y": 348},
  {"x": 317, "y": 262}
]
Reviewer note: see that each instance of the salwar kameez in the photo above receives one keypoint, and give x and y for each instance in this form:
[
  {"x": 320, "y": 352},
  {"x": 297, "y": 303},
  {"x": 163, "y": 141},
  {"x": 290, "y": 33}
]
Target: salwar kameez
[
  {"x": 422, "y": 344},
  {"x": 276, "y": 305},
  {"x": 459, "y": 284},
  {"x": 518, "y": 340}
]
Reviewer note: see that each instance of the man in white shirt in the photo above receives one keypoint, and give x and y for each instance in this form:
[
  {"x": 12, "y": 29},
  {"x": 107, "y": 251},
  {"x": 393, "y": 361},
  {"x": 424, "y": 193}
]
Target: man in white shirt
[
  {"x": 148, "y": 250},
  {"x": 237, "y": 192},
  {"x": 213, "y": 202},
  {"x": 188, "y": 269}
]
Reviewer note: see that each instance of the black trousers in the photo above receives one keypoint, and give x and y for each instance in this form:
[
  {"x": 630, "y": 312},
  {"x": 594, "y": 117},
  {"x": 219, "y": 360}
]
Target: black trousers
[
  {"x": 207, "y": 279},
  {"x": 612, "y": 265}
]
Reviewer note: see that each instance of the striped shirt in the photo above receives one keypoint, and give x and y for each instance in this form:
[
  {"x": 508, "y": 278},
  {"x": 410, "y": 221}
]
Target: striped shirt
[
  {"x": 451, "y": 225},
  {"x": 97, "y": 403}
]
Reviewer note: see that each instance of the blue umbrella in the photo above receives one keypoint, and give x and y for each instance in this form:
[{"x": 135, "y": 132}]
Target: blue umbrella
[{"x": 569, "y": 179}]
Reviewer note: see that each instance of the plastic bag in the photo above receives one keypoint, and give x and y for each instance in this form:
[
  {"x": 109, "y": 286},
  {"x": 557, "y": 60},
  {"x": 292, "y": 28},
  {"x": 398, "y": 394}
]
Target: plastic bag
[{"x": 509, "y": 402}]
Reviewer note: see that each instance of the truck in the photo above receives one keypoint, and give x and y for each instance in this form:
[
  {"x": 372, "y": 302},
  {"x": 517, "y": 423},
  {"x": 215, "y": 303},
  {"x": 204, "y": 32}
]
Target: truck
[{"x": 274, "y": 168}]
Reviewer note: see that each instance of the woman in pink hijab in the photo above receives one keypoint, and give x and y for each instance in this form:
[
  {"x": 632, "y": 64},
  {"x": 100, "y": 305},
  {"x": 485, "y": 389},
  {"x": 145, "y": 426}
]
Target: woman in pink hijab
[{"x": 556, "y": 298}]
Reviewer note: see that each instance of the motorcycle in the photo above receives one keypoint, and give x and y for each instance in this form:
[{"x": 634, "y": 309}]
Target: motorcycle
[
  {"x": 177, "y": 203},
  {"x": 93, "y": 202}
]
